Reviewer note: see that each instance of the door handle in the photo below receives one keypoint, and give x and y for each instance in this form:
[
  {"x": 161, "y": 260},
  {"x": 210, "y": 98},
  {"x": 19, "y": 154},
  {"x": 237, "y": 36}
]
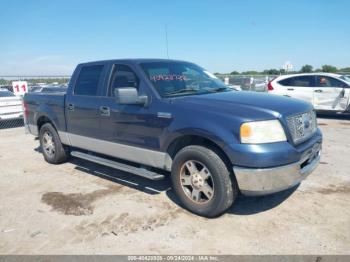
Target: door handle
[
  {"x": 318, "y": 91},
  {"x": 70, "y": 107},
  {"x": 290, "y": 89},
  {"x": 105, "y": 111}
]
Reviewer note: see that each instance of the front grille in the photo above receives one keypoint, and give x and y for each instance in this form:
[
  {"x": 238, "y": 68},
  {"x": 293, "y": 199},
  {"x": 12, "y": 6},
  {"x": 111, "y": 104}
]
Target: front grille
[{"x": 302, "y": 126}]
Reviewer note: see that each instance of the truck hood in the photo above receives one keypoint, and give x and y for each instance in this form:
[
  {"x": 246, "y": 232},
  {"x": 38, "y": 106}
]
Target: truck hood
[{"x": 247, "y": 105}]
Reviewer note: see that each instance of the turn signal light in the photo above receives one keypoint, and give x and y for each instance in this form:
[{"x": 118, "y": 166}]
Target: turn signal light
[{"x": 246, "y": 130}]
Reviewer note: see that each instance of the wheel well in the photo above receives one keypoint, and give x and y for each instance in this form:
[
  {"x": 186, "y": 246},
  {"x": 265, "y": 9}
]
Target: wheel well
[
  {"x": 43, "y": 120},
  {"x": 187, "y": 140}
]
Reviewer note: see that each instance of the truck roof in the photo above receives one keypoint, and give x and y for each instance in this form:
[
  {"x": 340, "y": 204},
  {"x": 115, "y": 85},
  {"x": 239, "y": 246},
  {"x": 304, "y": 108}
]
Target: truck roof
[{"x": 134, "y": 60}]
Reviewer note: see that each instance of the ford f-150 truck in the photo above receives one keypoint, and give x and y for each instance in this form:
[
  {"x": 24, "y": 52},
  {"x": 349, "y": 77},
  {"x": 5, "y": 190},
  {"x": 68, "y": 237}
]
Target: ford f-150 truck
[{"x": 145, "y": 116}]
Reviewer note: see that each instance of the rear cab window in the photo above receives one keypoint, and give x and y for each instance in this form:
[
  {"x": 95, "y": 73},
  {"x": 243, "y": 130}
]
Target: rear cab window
[{"x": 88, "y": 80}]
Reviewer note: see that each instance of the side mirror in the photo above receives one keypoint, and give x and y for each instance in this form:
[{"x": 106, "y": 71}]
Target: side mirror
[
  {"x": 342, "y": 93},
  {"x": 129, "y": 96}
]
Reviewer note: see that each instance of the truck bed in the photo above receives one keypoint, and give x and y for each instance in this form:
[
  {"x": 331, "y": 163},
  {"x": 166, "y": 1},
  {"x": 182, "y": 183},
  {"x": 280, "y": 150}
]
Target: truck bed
[{"x": 40, "y": 105}]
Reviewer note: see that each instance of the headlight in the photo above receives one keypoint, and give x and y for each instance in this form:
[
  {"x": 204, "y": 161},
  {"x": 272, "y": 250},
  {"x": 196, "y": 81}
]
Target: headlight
[{"x": 260, "y": 132}]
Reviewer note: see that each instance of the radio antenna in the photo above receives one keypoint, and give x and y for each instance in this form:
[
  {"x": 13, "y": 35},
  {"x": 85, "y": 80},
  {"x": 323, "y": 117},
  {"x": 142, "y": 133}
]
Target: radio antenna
[{"x": 166, "y": 41}]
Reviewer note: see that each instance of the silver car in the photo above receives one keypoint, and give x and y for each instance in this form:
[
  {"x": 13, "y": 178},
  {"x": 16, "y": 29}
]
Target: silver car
[{"x": 10, "y": 106}]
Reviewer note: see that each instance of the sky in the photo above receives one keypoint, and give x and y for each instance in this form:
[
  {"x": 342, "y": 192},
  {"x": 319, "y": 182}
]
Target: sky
[{"x": 42, "y": 37}]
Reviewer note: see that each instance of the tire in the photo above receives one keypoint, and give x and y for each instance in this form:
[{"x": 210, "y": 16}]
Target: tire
[
  {"x": 189, "y": 174},
  {"x": 51, "y": 146}
]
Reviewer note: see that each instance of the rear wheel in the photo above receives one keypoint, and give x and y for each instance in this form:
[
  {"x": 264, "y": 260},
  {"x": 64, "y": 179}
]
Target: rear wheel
[
  {"x": 202, "y": 181},
  {"x": 52, "y": 148}
]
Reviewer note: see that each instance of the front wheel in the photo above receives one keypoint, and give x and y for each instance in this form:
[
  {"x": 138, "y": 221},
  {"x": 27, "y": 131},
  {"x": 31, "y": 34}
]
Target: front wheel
[
  {"x": 202, "y": 181},
  {"x": 51, "y": 145}
]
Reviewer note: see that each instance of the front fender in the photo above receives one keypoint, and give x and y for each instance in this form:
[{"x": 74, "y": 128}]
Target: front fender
[{"x": 218, "y": 134}]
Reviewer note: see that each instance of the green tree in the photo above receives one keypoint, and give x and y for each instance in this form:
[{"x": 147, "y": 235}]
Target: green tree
[
  {"x": 234, "y": 73},
  {"x": 250, "y": 73},
  {"x": 306, "y": 69},
  {"x": 271, "y": 72},
  {"x": 344, "y": 70},
  {"x": 329, "y": 69},
  {"x": 3, "y": 82}
]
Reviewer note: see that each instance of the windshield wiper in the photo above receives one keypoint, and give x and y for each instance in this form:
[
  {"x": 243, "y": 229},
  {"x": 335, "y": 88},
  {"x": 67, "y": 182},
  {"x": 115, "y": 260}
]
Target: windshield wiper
[
  {"x": 218, "y": 89},
  {"x": 184, "y": 90}
]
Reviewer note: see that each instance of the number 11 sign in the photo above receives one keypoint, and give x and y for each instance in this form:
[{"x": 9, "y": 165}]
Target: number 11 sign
[{"x": 19, "y": 87}]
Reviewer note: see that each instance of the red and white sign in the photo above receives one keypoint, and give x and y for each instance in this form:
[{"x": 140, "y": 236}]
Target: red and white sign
[{"x": 19, "y": 87}]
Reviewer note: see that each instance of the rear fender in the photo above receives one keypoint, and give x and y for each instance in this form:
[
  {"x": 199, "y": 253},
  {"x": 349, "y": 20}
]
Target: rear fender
[{"x": 46, "y": 111}]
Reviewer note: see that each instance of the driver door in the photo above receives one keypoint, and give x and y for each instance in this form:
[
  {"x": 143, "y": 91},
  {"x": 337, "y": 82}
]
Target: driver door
[
  {"x": 132, "y": 125},
  {"x": 331, "y": 94}
]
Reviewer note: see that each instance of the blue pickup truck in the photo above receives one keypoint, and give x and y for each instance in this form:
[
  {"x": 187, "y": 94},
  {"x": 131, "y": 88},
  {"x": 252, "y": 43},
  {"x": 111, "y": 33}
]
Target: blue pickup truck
[{"x": 153, "y": 117}]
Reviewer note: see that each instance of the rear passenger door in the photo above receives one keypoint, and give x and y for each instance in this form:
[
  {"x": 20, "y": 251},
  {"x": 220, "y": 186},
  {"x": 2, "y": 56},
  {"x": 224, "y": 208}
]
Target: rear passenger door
[
  {"x": 300, "y": 87},
  {"x": 82, "y": 105},
  {"x": 331, "y": 94}
]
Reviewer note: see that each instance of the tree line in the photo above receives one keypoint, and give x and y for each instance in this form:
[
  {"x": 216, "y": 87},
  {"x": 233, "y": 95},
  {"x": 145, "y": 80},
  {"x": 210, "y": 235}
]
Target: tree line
[{"x": 304, "y": 69}]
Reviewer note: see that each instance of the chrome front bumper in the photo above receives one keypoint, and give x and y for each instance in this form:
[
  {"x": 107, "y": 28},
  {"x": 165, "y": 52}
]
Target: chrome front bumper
[{"x": 255, "y": 182}]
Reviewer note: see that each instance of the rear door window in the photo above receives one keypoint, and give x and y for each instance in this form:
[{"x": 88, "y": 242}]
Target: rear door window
[{"x": 88, "y": 80}]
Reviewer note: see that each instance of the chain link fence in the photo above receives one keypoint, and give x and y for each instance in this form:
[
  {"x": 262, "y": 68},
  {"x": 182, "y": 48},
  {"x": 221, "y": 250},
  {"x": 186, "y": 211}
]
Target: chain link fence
[
  {"x": 11, "y": 123},
  {"x": 11, "y": 112},
  {"x": 256, "y": 83}
]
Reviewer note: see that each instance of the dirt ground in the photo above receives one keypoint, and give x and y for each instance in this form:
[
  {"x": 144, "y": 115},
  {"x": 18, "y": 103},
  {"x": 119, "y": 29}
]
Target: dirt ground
[{"x": 82, "y": 208}]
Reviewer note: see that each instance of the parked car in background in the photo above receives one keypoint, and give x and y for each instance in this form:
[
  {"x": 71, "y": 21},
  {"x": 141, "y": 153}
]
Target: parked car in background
[
  {"x": 50, "y": 89},
  {"x": 246, "y": 83},
  {"x": 259, "y": 85},
  {"x": 143, "y": 115},
  {"x": 327, "y": 92},
  {"x": 8, "y": 87},
  {"x": 10, "y": 106}
]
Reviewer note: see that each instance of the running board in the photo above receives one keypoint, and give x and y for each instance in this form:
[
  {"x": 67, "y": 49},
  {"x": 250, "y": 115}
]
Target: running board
[{"x": 117, "y": 165}]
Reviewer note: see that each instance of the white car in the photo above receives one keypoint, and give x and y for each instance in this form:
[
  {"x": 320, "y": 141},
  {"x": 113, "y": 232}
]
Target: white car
[
  {"x": 327, "y": 92},
  {"x": 10, "y": 106}
]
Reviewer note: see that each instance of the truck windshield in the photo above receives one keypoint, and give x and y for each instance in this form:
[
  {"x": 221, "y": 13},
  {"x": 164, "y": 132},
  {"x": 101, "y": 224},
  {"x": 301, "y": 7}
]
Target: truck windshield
[{"x": 172, "y": 79}]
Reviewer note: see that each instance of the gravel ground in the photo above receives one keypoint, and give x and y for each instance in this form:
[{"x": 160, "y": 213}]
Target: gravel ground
[{"x": 82, "y": 208}]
